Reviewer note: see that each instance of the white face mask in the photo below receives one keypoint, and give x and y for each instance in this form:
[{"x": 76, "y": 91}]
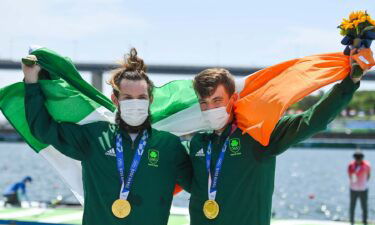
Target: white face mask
[
  {"x": 135, "y": 111},
  {"x": 217, "y": 118}
]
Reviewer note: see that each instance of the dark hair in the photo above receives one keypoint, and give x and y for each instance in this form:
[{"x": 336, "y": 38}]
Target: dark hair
[
  {"x": 358, "y": 155},
  {"x": 132, "y": 68},
  {"x": 27, "y": 179},
  {"x": 207, "y": 81}
]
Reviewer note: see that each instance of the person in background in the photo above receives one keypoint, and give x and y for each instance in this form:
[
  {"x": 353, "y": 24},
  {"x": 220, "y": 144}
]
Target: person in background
[
  {"x": 11, "y": 193},
  {"x": 359, "y": 175}
]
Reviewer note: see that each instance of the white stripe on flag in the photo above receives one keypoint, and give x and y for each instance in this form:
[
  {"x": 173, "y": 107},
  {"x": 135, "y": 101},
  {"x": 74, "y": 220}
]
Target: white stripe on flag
[
  {"x": 69, "y": 169},
  {"x": 184, "y": 122},
  {"x": 99, "y": 114}
]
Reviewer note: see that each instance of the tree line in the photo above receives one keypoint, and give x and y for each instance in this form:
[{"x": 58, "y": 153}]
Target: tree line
[{"x": 362, "y": 104}]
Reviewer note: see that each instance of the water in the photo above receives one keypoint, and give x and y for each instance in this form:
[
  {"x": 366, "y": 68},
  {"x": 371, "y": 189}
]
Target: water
[
  {"x": 314, "y": 184},
  {"x": 17, "y": 160},
  {"x": 310, "y": 184}
]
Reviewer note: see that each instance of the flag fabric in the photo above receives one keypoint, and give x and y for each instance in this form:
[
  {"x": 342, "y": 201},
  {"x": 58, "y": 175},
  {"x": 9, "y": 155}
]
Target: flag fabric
[
  {"x": 175, "y": 107},
  {"x": 267, "y": 94}
]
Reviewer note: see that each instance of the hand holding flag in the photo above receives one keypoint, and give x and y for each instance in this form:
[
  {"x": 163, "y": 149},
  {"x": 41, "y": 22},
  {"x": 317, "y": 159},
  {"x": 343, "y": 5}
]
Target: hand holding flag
[{"x": 31, "y": 72}]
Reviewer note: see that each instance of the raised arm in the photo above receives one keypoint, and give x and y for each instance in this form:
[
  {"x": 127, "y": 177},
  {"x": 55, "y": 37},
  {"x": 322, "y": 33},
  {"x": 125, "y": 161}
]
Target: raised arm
[{"x": 68, "y": 138}]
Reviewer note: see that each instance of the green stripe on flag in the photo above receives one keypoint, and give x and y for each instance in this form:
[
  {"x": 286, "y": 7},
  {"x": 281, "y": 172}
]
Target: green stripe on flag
[
  {"x": 62, "y": 67},
  {"x": 12, "y": 104},
  {"x": 171, "y": 98},
  {"x": 65, "y": 103}
]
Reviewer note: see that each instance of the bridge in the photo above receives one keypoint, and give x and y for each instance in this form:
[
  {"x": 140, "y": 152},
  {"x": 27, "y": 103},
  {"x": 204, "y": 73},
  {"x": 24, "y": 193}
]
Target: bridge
[{"x": 97, "y": 70}]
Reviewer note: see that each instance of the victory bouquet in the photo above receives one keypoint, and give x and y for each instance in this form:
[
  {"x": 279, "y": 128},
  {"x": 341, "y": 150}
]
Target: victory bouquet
[{"x": 359, "y": 32}]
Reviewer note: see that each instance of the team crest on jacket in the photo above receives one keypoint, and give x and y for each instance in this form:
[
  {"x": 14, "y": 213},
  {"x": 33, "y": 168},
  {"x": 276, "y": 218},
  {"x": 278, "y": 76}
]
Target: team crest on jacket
[
  {"x": 153, "y": 157},
  {"x": 235, "y": 146}
]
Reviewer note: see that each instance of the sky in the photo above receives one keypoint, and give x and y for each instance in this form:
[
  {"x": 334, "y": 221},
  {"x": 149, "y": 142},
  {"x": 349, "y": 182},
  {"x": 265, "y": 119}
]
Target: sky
[{"x": 194, "y": 32}]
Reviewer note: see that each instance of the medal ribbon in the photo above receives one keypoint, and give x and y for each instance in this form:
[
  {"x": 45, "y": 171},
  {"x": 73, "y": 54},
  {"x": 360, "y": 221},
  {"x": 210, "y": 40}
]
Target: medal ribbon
[
  {"x": 212, "y": 181},
  {"x": 125, "y": 186}
]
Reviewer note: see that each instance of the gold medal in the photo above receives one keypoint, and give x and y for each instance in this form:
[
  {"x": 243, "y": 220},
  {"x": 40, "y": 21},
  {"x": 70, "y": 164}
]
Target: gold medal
[
  {"x": 121, "y": 208},
  {"x": 211, "y": 209}
]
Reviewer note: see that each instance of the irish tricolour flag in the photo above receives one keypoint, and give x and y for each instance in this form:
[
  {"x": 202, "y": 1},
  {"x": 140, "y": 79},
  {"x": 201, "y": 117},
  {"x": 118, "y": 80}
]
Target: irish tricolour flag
[{"x": 264, "y": 97}]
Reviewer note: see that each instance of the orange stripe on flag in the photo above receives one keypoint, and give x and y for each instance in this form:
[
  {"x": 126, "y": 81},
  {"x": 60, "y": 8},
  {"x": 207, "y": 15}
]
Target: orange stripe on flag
[
  {"x": 177, "y": 189},
  {"x": 268, "y": 93}
]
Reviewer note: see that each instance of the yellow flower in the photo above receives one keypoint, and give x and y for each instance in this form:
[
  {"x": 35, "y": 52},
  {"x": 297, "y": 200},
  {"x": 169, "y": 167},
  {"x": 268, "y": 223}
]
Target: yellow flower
[
  {"x": 353, "y": 16},
  {"x": 354, "y": 20},
  {"x": 357, "y": 15},
  {"x": 348, "y": 26},
  {"x": 345, "y": 21},
  {"x": 361, "y": 14}
]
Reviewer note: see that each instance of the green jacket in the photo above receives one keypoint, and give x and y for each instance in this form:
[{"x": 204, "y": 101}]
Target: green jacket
[
  {"x": 94, "y": 145},
  {"x": 246, "y": 181}
]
